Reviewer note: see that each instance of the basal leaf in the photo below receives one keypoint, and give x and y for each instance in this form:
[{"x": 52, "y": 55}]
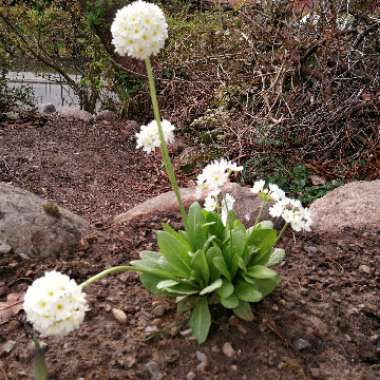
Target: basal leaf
[
  {"x": 199, "y": 266},
  {"x": 175, "y": 251},
  {"x": 195, "y": 228},
  {"x": 166, "y": 284},
  {"x": 221, "y": 265},
  {"x": 261, "y": 272},
  {"x": 230, "y": 302},
  {"x": 226, "y": 290},
  {"x": 200, "y": 320},
  {"x": 276, "y": 257},
  {"x": 248, "y": 292},
  {"x": 209, "y": 289},
  {"x": 244, "y": 311},
  {"x": 267, "y": 286}
]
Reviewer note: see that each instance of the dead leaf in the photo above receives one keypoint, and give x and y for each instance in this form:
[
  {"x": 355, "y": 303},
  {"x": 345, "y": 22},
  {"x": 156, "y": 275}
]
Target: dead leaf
[{"x": 11, "y": 307}]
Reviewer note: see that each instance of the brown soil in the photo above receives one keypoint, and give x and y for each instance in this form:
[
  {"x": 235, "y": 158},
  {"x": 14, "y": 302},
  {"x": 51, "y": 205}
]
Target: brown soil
[{"x": 323, "y": 322}]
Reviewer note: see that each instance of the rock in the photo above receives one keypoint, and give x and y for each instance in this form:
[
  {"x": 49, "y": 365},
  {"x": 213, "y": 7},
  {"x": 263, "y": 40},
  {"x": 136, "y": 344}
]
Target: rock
[
  {"x": 228, "y": 350},
  {"x": 154, "y": 370},
  {"x": 355, "y": 205},
  {"x": 32, "y": 232},
  {"x": 46, "y": 108},
  {"x": 247, "y": 205},
  {"x": 302, "y": 344},
  {"x": 75, "y": 113},
  {"x": 119, "y": 315},
  {"x": 105, "y": 115},
  {"x": 191, "y": 376},
  {"x": 203, "y": 361},
  {"x": 365, "y": 269},
  {"x": 316, "y": 180}
]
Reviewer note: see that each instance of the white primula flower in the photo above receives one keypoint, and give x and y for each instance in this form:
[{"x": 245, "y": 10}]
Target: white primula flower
[
  {"x": 258, "y": 186},
  {"x": 233, "y": 167},
  {"x": 227, "y": 206},
  {"x": 275, "y": 192},
  {"x": 149, "y": 139},
  {"x": 211, "y": 203},
  {"x": 292, "y": 211},
  {"x": 55, "y": 304},
  {"x": 139, "y": 30}
]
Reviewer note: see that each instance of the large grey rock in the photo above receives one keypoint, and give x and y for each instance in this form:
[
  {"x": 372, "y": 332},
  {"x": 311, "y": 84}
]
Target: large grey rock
[
  {"x": 33, "y": 227},
  {"x": 247, "y": 205},
  {"x": 75, "y": 113},
  {"x": 46, "y": 108},
  {"x": 355, "y": 205}
]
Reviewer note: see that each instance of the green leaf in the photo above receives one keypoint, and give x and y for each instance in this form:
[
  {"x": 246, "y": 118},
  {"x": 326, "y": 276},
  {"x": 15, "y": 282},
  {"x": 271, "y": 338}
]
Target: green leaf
[
  {"x": 230, "y": 302},
  {"x": 176, "y": 234},
  {"x": 200, "y": 320},
  {"x": 217, "y": 228},
  {"x": 248, "y": 292},
  {"x": 199, "y": 265},
  {"x": 267, "y": 286},
  {"x": 153, "y": 267},
  {"x": 181, "y": 289},
  {"x": 209, "y": 289},
  {"x": 276, "y": 257},
  {"x": 175, "y": 251},
  {"x": 261, "y": 272},
  {"x": 214, "y": 272},
  {"x": 233, "y": 250},
  {"x": 150, "y": 281},
  {"x": 226, "y": 290},
  {"x": 244, "y": 311},
  {"x": 166, "y": 284},
  {"x": 195, "y": 228},
  {"x": 264, "y": 239},
  {"x": 220, "y": 264}
]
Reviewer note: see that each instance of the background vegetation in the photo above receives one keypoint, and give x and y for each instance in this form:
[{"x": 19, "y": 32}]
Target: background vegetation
[{"x": 294, "y": 101}]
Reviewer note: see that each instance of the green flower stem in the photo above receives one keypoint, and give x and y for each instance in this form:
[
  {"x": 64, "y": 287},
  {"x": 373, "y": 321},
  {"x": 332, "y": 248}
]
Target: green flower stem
[
  {"x": 40, "y": 371},
  {"x": 283, "y": 229},
  {"x": 164, "y": 148},
  {"x": 260, "y": 212},
  {"x": 107, "y": 272}
]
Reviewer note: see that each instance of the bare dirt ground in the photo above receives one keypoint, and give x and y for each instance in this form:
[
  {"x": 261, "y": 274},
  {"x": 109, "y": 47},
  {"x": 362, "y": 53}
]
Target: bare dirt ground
[{"x": 323, "y": 322}]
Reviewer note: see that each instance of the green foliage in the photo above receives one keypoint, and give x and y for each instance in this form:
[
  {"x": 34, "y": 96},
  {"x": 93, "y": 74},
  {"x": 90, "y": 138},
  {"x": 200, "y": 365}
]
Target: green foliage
[
  {"x": 209, "y": 262},
  {"x": 293, "y": 179}
]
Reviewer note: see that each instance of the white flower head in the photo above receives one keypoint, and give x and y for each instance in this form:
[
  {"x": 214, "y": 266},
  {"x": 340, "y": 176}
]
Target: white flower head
[
  {"x": 258, "y": 186},
  {"x": 211, "y": 202},
  {"x": 139, "y": 30},
  {"x": 275, "y": 192},
  {"x": 55, "y": 304},
  {"x": 149, "y": 139},
  {"x": 292, "y": 211},
  {"x": 227, "y": 206}
]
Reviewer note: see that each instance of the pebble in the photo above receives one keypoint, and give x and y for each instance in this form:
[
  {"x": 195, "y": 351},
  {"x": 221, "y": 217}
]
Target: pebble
[
  {"x": 302, "y": 344},
  {"x": 228, "y": 350},
  {"x": 119, "y": 315},
  {"x": 154, "y": 370},
  {"x": 191, "y": 376},
  {"x": 203, "y": 361},
  {"x": 4, "y": 248},
  {"x": 311, "y": 250},
  {"x": 159, "y": 311},
  {"x": 8, "y": 346},
  {"x": 151, "y": 329},
  {"x": 365, "y": 269},
  {"x": 234, "y": 367},
  {"x": 186, "y": 332}
]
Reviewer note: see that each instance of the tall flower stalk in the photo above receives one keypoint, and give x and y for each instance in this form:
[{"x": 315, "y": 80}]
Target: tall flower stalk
[{"x": 164, "y": 147}]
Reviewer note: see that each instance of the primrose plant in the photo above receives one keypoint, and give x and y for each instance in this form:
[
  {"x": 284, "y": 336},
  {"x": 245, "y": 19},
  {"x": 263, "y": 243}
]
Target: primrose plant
[{"x": 215, "y": 259}]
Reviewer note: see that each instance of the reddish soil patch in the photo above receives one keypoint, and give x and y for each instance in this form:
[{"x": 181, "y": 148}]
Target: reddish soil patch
[{"x": 323, "y": 322}]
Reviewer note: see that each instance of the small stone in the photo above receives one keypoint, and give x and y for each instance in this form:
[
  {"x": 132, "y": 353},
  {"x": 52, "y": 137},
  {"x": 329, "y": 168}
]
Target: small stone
[
  {"x": 203, "y": 361},
  {"x": 186, "y": 332},
  {"x": 8, "y": 346},
  {"x": 5, "y": 248},
  {"x": 316, "y": 180},
  {"x": 302, "y": 344},
  {"x": 191, "y": 376},
  {"x": 315, "y": 373},
  {"x": 234, "y": 367},
  {"x": 154, "y": 370},
  {"x": 105, "y": 115},
  {"x": 151, "y": 330},
  {"x": 228, "y": 350},
  {"x": 311, "y": 250},
  {"x": 159, "y": 311},
  {"x": 119, "y": 315},
  {"x": 365, "y": 269},
  {"x": 275, "y": 307}
]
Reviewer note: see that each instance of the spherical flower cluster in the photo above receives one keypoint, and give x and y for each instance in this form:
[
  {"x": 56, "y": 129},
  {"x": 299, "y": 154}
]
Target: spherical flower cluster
[
  {"x": 139, "y": 30},
  {"x": 149, "y": 139},
  {"x": 215, "y": 175},
  {"x": 292, "y": 211},
  {"x": 55, "y": 304}
]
